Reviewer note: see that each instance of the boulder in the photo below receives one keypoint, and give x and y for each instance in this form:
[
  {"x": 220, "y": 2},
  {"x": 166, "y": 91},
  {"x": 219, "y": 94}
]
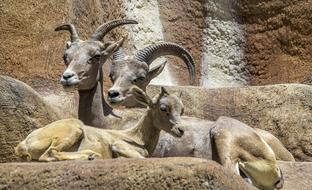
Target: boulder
[
  {"x": 297, "y": 175},
  {"x": 21, "y": 110},
  {"x": 285, "y": 110},
  {"x": 167, "y": 173}
]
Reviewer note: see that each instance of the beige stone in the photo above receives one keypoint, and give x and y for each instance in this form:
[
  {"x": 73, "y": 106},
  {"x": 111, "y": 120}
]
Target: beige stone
[
  {"x": 21, "y": 110},
  {"x": 169, "y": 173},
  {"x": 297, "y": 175}
]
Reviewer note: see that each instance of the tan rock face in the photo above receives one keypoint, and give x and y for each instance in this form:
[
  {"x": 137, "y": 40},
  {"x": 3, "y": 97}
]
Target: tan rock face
[
  {"x": 297, "y": 175},
  {"x": 170, "y": 173},
  {"x": 234, "y": 43},
  {"x": 283, "y": 110},
  {"x": 279, "y": 40},
  {"x": 30, "y": 50},
  {"x": 21, "y": 111}
]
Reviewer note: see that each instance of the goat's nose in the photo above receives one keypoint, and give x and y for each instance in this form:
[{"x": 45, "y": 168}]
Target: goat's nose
[
  {"x": 68, "y": 75},
  {"x": 113, "y": 93}
]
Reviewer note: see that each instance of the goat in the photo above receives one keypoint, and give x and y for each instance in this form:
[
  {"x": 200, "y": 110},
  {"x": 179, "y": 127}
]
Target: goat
[
  {"x": 127, "y": 71},
  {"x": 83, "y": 61},
  {"x": 54, "y": 141}
]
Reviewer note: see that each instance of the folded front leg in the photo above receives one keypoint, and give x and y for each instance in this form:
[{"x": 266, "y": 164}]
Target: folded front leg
[
  {"x": 123, "y": 149},
  {"x": 80, "y": 155}
]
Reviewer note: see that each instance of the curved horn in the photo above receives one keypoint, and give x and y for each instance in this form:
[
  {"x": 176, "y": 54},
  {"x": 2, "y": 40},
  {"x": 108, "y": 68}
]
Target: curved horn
[
  {"x": 152, "y": 52},
  {"x": 102, "y": 30},
  {"x": 71, "y": 28},
  {"x": 119, "y": 54}
]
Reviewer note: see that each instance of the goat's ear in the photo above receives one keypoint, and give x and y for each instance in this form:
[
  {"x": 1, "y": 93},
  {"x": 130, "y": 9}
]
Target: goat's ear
[
  {"x": 155, "y": 71},
  {"x": 111, "y": 47},
  {"x": 163, "y": 91},
  {"x": 141, "y": 96}
]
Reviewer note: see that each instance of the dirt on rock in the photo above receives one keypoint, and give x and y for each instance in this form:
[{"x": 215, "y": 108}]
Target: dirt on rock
[
  {"x": 31, "y": 50},
  {"x": 169, "y": 173},
  {"x": 297, "y": 175},
  {"x": 279, "y": 40}
]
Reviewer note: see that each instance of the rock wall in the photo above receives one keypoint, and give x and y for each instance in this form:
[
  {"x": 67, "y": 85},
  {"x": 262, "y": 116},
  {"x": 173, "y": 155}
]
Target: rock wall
[
  {"x": 279, "y": 40},
  {"x": 21, "y": 111},
  {"x": 30, "y": 50},
  {"x": 234, "y": 43},
  {"x": 224, "y": 43}
]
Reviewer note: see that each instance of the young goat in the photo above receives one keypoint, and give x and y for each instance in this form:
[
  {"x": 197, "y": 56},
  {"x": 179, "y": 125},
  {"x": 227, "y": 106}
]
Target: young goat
[{"x": 70, "y": 139}]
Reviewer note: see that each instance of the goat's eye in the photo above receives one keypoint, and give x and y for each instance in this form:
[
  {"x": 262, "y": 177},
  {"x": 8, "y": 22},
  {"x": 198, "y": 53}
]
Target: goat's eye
[
  {"x": 134, "y": 80},
  {"x": 89, "y": 61},
  {"x": 163, "y": 107},
  {"x": 65, "y": 58},
  {"x": 96, "y": 56},
  {"x": 111, "y": 77},
  {"x": 141, "y": 78}
]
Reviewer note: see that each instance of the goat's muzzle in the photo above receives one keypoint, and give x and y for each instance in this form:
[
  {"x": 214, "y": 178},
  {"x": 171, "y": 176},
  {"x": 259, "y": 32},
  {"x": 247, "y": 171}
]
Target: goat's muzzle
[{"x": 69, "y": 78}]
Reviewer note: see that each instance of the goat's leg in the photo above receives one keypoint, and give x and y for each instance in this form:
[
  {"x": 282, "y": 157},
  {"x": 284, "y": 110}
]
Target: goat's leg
[
  {"x": 123, "y": 149},
  {"x": 58, "y": 145},
  {"x": 80, "y": 155},
  {"x": 223, "y": 152}
]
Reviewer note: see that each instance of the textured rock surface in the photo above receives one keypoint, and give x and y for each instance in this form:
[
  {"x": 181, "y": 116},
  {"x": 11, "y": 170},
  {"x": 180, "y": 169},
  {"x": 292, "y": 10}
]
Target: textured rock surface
[
  {"x": 224, "y": 46},
  {"x": 284, "y": 110},
  {"x": 234, "y": 42},
  {"x": 21, "y": 110},
  {"x": 30, "y": 50},
  {"x": 297, "y": 175},
  {"x": 170, "y": 173},
  {"x": 279, "y": 40}
]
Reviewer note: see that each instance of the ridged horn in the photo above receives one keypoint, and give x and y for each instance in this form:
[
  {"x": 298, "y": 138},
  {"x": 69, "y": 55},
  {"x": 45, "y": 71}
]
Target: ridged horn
[
  {"x": 71, "y": 28},
  {"x": 119, "y": 54},
  {"x": 102, "y": 30},
  {"x": 152, "y": 52}
]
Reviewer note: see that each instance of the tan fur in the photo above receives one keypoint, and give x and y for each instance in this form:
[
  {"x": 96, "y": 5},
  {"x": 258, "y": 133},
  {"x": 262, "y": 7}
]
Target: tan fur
[
  {"x": 56, "y": 140},
  {"x": 235, "y": 142}
]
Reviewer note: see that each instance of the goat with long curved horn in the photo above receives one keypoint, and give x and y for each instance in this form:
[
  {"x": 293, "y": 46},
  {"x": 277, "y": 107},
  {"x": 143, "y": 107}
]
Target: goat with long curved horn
[
  {"x": 119, "y": 54},
  {"x": 102, "y": 30},
  {"x": 152, "y": 52},
  {"x": 135, "y": 70},
  {"x": 71, "y": 28},
  {"x": 84, "y": 60}
]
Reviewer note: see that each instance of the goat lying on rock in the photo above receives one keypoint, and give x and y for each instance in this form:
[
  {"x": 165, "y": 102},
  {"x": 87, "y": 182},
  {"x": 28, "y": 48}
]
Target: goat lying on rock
[
  {"x": 242, "y": 149},
  {"x": 254, "y": 159},
  {"x": 70, "y": 139}
]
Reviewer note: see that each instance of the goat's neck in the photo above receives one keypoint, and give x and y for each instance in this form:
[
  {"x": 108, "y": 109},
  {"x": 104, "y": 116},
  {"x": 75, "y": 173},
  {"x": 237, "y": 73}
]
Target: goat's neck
[
  {"x": 93, "y": 108},
  {"x": 145, "y": 133}
]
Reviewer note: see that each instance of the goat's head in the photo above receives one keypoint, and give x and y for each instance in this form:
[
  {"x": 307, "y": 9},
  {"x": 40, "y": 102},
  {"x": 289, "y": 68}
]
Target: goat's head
[
  {"x": 166, "y": 110},
  {"x": 84, "y": 59},
  {"x": 263, "y": 174},
  {"x": 127, "y": 71}
]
